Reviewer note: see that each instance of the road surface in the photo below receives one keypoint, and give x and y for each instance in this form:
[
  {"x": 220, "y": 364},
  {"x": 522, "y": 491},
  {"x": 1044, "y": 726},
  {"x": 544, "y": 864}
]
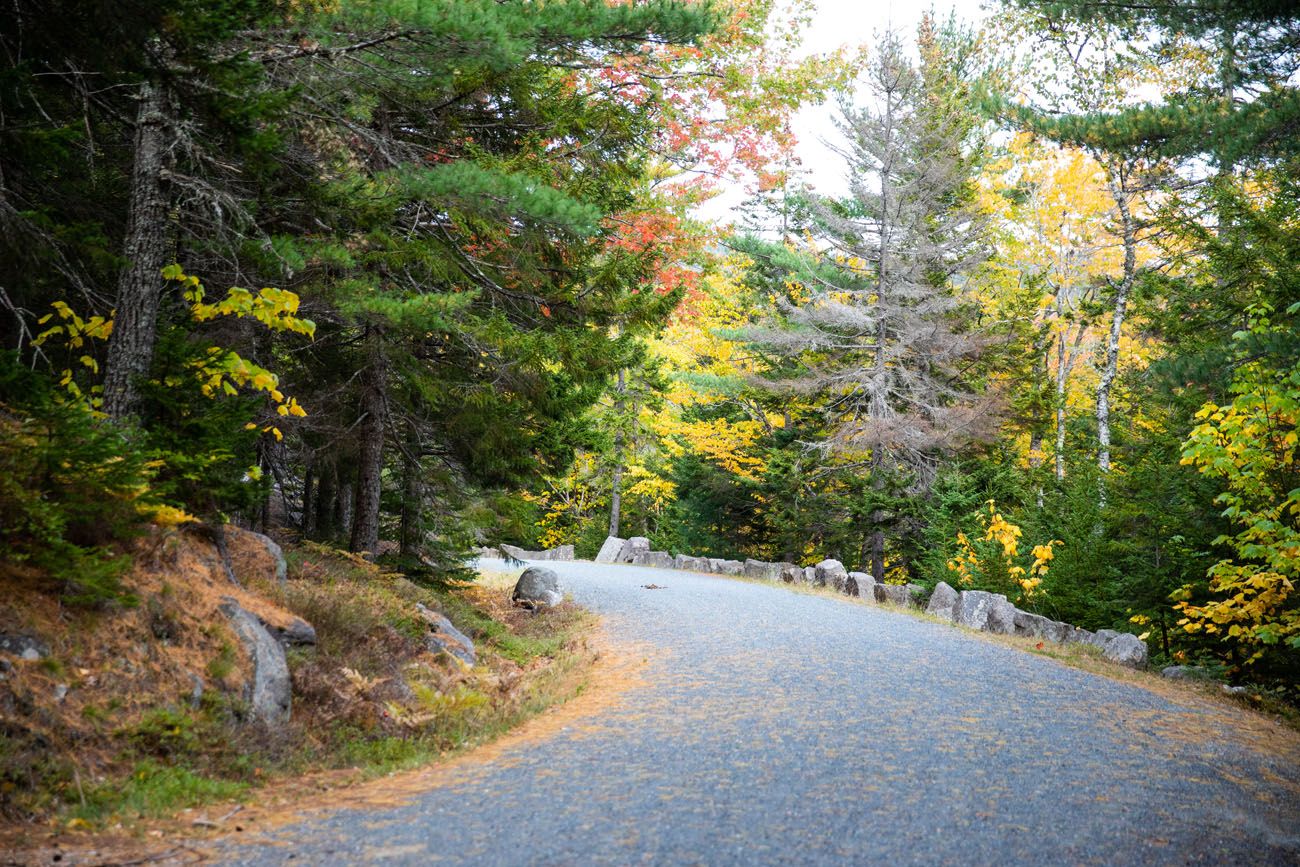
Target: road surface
[{"x": 771, "y": 727}]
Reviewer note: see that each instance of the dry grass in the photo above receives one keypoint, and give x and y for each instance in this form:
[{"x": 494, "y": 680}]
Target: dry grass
[{"x": 126, "y": 746}]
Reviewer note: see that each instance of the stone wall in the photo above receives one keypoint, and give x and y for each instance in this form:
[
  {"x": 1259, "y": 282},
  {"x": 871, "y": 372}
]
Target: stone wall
[
  {"x": 563, "y": 552},
  {"x": 973, "y": 609}
]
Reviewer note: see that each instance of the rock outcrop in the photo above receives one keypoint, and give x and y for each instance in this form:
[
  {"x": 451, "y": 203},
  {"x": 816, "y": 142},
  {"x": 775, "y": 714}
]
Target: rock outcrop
[
  {"x": 538, "y": 587},
  {"x": 269, "y": 693}
]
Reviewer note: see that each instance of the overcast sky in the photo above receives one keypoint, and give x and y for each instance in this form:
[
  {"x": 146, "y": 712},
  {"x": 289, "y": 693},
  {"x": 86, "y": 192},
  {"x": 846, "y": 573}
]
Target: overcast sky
[{"x": 836, "y": 23}]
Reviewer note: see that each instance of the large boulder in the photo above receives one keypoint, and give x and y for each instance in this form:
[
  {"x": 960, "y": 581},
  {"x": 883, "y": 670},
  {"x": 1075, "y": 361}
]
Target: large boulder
[
  {"x": 762, "y": 570},
  {"x": 830, "y": 573},
  {"x": 988, "y": 612},
  {"x": 727, "y": 567},
  {"x": 444, "y": 637},
  {"x": 1037, "y": 626},
  {"x": 538, "y": 587},
  {"x": 269, "y": 692},
  {"x": 1101, "y": 638},
  {"x": 654, "y": 559},
  {"x": 861, "y": 585},
  {"x": 1126, "y": 648},
  {"x": 632, "y": 547},
  {"x": 943, "y": 602},
  {"x": 688, "y": 563},
  {"x": 610, "y": 550},
  {"x": 791, "y": 575},
  {"x": 896, "y": 594}
]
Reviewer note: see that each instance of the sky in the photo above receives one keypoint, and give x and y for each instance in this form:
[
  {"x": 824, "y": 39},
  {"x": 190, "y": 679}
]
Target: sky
[{"x": 836, "y": 23}]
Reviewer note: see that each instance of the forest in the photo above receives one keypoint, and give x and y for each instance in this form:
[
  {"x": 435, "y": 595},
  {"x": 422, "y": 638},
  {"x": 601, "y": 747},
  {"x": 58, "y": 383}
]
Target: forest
[{"x": 406, "y": 277}]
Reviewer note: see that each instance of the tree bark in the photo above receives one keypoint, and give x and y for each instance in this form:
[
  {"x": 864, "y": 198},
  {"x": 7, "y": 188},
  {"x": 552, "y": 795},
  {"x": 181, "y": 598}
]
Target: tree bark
[
  {"x": 140, "y": 284},
  {"x": 616, "y": 486},
  {"x": 370, "y": 456},
  {"x": 412, "y": 504},
  {"x": 1115, "y": 181},
  {"x": 325, "y": 525},
  {"x": 308, "y": 500}
]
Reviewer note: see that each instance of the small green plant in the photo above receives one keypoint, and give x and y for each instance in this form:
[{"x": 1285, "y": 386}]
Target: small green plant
[
  {"x": 154, "y": 790},
  {"x": 223, "y": 663},
  {"x": 163, "y": 733}
]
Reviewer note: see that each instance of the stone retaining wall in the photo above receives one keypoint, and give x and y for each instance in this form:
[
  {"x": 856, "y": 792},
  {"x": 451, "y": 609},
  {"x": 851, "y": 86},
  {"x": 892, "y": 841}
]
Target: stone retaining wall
[{"x": 974, "y": 609}]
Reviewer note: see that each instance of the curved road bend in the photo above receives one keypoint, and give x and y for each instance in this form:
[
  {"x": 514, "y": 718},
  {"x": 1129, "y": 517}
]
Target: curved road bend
[{"x": 781, "y": 728}]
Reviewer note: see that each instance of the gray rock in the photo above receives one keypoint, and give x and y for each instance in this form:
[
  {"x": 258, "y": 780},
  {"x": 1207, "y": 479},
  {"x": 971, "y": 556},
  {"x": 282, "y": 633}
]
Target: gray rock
[
  {"x": 277, "y": 554},
  {"x": 810, "y": 575},
  {"x": 1233, "y": 690},
  {"x": 444, "y": 637},
  {"x": 632, "y": 547},
  {"x": 791, "y": 575},
  {"x": 731, "y": 567},
  {"x": 892, "y": 594},
  {"x": 23, "y": 646},
  {"x": 1002, "y": 616},
  {"x": 763, "y": 571},
  {"x": 1037, "y": 626},
  {"x": 1185, "y": 672},
  {"x": 690, "y": 564},
  {"x": 196, "y": 692},
  {"x": 270, "y": 696},
  {"x": 610, "y": 550},
  {"x": 988, "y": 612},
  {"x": 60, "y": 692},
  {"x": 943, "y": 602},
  {"x": 488, "y": 553},
  {"x": 563, "y": 552},
  {"x": 653, "y": 559},
  {"x": 538, "y": 587},
  {"x": 1126, "y": 649},
  {"x": 861, "y": 585},
  {"x": 1101, "y": 638},
  {"x": 299, "y": 633},
  {"x": 830, "y": 573}
]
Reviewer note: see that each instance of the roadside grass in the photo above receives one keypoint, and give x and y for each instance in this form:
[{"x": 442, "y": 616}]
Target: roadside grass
[{"x": 369, "y": 699}]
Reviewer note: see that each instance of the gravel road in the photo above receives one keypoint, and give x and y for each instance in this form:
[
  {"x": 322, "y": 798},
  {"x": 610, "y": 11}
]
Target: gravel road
[{"x": 771, "y": 727}]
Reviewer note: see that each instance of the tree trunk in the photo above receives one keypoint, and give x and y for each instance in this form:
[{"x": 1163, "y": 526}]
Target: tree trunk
[
  {"x": 308, "y": 500},
  {"x": 616, "y": 486},
  {"x": 325, "y": 524},
  {"x": 370, "y": 457},
  {"x": 344, "y": 510},
  {"x": 1115, "y": 180},
  {"x": 412, "y": 504},
  {"x": 140, "y": 284}
]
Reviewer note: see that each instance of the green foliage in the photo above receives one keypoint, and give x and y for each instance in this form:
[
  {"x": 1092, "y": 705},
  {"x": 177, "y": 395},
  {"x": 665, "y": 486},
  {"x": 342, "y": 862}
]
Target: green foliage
[{"x": 71, "y": 489}]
